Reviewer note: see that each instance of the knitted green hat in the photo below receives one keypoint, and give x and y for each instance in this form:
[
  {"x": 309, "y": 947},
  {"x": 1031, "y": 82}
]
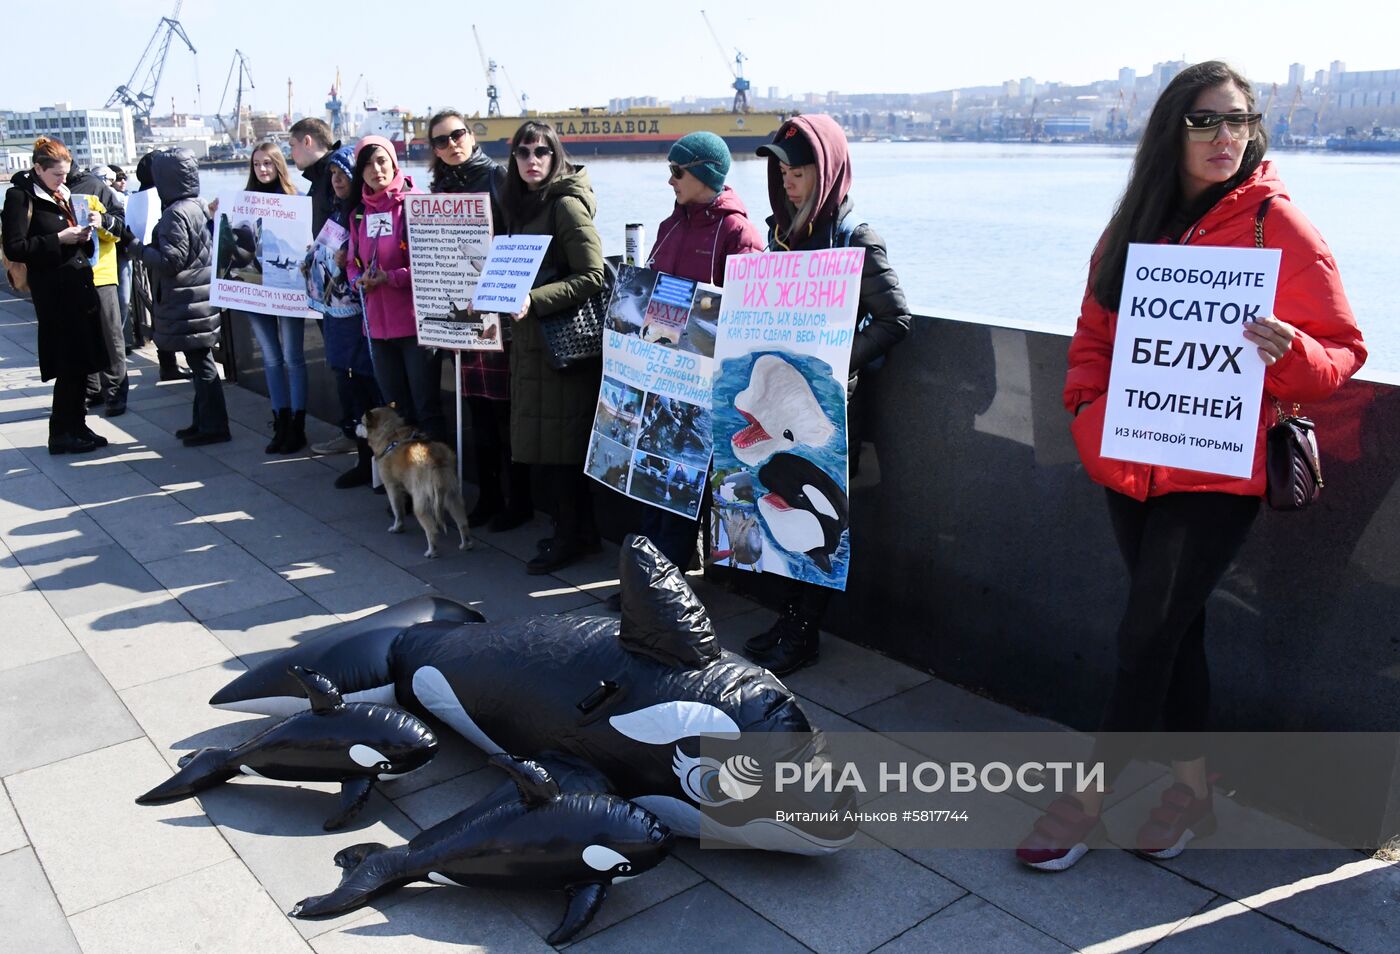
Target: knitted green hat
[{"x": 704, "y": 155}]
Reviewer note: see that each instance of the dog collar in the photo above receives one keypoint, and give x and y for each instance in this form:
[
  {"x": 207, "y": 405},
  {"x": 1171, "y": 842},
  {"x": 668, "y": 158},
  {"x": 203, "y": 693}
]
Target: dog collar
[{"x": 415, "y": 436}]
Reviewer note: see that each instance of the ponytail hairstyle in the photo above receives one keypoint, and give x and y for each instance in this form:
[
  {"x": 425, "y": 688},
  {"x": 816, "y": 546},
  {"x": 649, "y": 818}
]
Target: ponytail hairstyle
[
  {"x": 50, "y": 152},
  {"x": 282, "y": 184},
  {"x": 1153, "y": 196}
]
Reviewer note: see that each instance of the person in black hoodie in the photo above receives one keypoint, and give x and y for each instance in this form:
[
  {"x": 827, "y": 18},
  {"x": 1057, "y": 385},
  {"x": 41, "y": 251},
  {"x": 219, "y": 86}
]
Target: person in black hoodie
[
  {"x": 143, "y": 288},
  {"x": 108, "y": 386},
  {"x": 809, "y": 184},
  {"x": 460, "y": 165},
  {"x": 181, "y": 260},
  {"x": 310, "y": 139},
  {"x": 41, "y": 233}
]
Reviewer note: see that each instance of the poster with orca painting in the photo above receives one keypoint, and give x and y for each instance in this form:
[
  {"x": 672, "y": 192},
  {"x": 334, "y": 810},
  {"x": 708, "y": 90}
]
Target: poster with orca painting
[
  {"x": 654, "y": 401},
  {"x": 782, "y": 357}
]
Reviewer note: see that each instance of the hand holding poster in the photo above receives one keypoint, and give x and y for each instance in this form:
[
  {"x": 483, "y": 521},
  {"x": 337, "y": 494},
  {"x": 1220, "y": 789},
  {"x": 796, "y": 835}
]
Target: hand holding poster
[
  {"x": 1185, "y": 385},
  {"x": 260, "y": 242},
  {"x": 509, "y": 272},
  {"x": 782, "y": 357},
  {"x": 448, "y": 240},
  {"x": 142, "y": 213},
  {"x": 652, "y": 432}
]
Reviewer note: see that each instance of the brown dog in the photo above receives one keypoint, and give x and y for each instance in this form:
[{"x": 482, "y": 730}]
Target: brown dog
[{"x": 410, "y": 464}]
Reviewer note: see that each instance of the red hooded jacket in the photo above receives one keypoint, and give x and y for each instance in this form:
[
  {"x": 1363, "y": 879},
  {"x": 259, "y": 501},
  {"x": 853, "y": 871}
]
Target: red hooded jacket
[
  {"x": 1326, "y": 351},
  {"x": 695, "y": 239}
]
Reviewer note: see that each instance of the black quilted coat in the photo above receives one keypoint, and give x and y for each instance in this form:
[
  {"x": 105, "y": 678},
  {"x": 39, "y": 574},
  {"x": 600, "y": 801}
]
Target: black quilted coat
[{"x": 181, "y": 255}]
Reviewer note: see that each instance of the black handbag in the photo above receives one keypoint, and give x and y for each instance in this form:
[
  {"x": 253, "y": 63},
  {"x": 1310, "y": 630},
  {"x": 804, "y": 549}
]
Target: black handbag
[
  {"x": 575, "y": 336},
  {"x": 1291, "y": 463}
]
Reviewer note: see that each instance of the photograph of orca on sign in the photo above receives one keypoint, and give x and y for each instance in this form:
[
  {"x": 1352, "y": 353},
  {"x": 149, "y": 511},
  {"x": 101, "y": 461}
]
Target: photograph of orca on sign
[
  {"x": 260, "y": 242},
  {"x": 782, "y": 357}
]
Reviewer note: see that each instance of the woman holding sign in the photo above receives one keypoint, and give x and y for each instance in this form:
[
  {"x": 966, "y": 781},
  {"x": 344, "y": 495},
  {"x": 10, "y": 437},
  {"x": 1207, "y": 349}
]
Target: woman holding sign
[
  {"x": 408, "y": 375},
  {"x": 280, "y": 339},
  {"x": 809, "y": 185},
  {"x": 43, "y": 237},
  {"x": 460, "y": 165},
  {"x": 1199, "y": 178},
  {"x": 551, "y": 412}
]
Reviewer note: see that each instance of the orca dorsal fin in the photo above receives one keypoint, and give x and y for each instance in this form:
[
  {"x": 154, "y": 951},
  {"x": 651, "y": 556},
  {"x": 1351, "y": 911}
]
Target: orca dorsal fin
[
  {"x": 661, "y": 615},
  {"x": 320, "y": 691},
  {"x": 534, "y": 783}
]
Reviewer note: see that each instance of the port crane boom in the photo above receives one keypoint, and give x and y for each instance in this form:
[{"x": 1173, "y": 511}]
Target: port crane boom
[
  {"x": 740, "y": 84},
  {"x": 488, "y": 66},
  {"x": 240, "y": 63},
  {"x": 141, "y": 100}
]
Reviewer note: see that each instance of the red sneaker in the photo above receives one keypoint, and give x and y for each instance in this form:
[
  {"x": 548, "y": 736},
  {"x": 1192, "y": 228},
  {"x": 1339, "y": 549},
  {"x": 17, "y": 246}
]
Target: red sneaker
[
  {"x": 1172, "y": 825},
  {"x": 1061, "y": 836}
]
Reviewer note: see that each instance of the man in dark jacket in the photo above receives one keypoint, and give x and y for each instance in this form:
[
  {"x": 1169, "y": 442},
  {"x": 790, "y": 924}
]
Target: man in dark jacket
[
  {"x": 109, "y": 385},
  {"x": 310, "y": 139},
  {"x": 182, "y": 258}
]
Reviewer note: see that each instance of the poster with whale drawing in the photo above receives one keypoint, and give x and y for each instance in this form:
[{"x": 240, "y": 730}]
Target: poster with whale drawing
[
  {"x": 652, "y": 431},
  {"x": 448, "y": 239},
  {"x": 260, "y": 241},
  {"x": 782, "y": 357}
]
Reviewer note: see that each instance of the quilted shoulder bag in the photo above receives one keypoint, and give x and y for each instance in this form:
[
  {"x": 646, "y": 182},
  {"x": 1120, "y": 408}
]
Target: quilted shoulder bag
[
  {"x": 1291, "y": 462},
  {"x": 574, "y": 336}
]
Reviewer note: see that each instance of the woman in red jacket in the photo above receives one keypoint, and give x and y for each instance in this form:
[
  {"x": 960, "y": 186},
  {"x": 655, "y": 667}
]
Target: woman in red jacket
[{"x": 1198, "y": 178}]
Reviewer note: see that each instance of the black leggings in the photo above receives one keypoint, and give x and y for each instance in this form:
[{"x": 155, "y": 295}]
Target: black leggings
[
  {"x": 567, "y": 494},
  {"x": 69, "y": 412},
  {"x": 1177, "y": 548}
]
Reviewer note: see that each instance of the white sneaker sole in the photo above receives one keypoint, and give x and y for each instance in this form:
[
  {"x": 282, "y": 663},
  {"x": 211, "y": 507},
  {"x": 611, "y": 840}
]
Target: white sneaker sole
[
  {"x": 1174, "y": 850},
  {"x": 1060, "y": 864}
]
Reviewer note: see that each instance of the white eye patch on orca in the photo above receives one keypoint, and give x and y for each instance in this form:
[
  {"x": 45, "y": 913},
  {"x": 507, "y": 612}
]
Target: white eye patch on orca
[
  {"x": 366, "y": 756},
  {"x": 668, "y": 722},
  {"x": 819, "y": 501},
  {"x": 603, "y": 858}
]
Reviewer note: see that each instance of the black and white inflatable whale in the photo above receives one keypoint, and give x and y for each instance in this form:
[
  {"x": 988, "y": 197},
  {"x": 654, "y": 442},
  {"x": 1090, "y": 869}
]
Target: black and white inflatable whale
[{"x": 651, "y": 703}]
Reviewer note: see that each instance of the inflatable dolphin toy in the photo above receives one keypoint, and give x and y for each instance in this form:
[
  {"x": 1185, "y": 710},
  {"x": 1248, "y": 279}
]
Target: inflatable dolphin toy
[
  {"x": 561, "y": 832},
  {"x": 356, "y": 744},
  {"x": 805, "y": 510},
  {"x": 651, "y": 703},
  {"x": 781, "y": 410}
]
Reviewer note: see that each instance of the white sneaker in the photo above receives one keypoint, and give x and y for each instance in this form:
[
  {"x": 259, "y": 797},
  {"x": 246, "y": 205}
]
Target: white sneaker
[{"x": 340, "y": 444}]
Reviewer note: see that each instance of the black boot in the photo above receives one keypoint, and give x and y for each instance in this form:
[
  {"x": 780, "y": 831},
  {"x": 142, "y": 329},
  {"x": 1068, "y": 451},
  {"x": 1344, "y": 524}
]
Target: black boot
[
  {"x": 359, "y": 475},
  {"x": 294, "y": 437},
  {"x": 170, "y": 369},
  {"x": 281, "y": 421},
  {"x": 797, "y": 647},
  {"x": 766, "y": 641}
]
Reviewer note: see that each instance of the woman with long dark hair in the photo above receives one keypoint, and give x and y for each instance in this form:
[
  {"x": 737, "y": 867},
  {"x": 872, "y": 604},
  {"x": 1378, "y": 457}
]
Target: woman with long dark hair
[
  {"x": 1199, "y": 178},
  {"x": 42, "y": 234},
  {"x": 281, "y": 338},
  {"x": 460, "y": 165},
  {"x": 408, "y": 376},
  {"x": 552, "y": 411}
]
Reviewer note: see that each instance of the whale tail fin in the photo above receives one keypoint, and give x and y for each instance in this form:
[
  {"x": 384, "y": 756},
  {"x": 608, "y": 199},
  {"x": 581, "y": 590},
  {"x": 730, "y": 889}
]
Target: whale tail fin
[
  {"x": 203, "y": 769},
  {"x": 370, "y": 870}
]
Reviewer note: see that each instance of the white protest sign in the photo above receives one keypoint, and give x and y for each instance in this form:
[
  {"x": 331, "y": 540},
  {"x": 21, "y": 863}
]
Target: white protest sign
[
  {"x": 448, "y": 240},
  {"x": 782, "y": 357},
  {"x": 142, "y": 213},
  {"x": 1185, "y": 386},
  {"x": 260, "y": 242},
  {"x": 510, "y": 270},
  {"x": 652, "y": 431}
]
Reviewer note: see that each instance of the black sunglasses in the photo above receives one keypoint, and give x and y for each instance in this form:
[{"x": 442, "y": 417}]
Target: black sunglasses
[
  {"x": 1203, "y": 127},
  {"x": 678, "y": 171},
  {"x": 440, "y": 142},
  {"x": 539, "y": 152}
]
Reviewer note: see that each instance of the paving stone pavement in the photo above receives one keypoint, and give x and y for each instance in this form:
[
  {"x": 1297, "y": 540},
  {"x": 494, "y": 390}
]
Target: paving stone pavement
[{"x": 136, "y": 580}]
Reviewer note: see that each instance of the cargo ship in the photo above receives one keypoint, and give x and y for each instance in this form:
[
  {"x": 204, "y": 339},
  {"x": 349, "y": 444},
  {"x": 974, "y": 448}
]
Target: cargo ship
[{"x": 598, "y": 132}]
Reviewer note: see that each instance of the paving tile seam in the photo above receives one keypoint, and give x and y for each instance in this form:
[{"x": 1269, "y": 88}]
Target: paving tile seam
[
  {"x": 740, "y": 901},
  {"x": 68, "y": 915},
  {"x": 922, "y": 921}
]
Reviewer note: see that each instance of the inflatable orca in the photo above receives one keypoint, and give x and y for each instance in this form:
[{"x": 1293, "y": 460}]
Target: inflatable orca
[
  {"x": 355, "y": 744},
  {"x": 805, "y": 510},
  {"x": 561, "y": 832},
  {"x": 781, "y": 410},
  {"x": 631, "y": 700}
]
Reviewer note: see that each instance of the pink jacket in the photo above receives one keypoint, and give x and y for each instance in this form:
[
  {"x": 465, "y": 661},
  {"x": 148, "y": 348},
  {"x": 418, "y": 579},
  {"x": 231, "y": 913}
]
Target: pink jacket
[{"x": 389, "y": 307}]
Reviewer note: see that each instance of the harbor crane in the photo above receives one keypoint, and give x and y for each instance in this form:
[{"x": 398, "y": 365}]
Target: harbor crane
[
  {"x": 521, "y": 99},
  {"x": 488, "y": 66},
  {"x": 142, "y": 99},
  {"x": 240, "y": 64},
  {"x": 740, "y": 84}
]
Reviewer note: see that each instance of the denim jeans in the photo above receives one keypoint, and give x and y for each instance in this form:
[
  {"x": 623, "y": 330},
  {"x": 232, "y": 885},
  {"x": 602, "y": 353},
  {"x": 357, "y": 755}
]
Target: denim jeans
[
  {"x": 210, "y": 415},
  {"x": 284, "y": 359}
]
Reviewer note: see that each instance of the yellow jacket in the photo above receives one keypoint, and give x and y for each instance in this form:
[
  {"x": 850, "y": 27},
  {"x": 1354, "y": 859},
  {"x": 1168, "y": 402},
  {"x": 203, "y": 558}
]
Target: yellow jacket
[{"x": 105, "y": 271}]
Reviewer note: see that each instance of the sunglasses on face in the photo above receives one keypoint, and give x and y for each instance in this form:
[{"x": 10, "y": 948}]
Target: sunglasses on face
[
  {"x": 539, "y": 152},
  {"x": 1203, "y": 127},
  {"x": 441, "y": 142},
  {"x": 678, "y": 171}
]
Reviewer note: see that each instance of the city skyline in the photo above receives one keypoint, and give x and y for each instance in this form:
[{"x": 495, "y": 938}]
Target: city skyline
[{"x": 636, "y": 49}]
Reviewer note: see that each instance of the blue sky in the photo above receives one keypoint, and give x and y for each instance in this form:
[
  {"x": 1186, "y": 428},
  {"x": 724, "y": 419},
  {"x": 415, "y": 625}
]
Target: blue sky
[{"x": 576, "y": 53}]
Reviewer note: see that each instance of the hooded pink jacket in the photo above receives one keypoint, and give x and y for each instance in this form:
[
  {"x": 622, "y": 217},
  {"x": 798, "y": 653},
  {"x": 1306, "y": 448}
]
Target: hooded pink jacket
[
  {"x": 696, "y": 239},
  {"x": 389, "y": 307}
]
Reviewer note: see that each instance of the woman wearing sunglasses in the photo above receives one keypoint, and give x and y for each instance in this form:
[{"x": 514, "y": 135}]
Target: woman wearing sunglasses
[
  {"x": 504, "y": 503},
  {"x": 551, "y": 412},
  {"x": 1199, "y": 178}
]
